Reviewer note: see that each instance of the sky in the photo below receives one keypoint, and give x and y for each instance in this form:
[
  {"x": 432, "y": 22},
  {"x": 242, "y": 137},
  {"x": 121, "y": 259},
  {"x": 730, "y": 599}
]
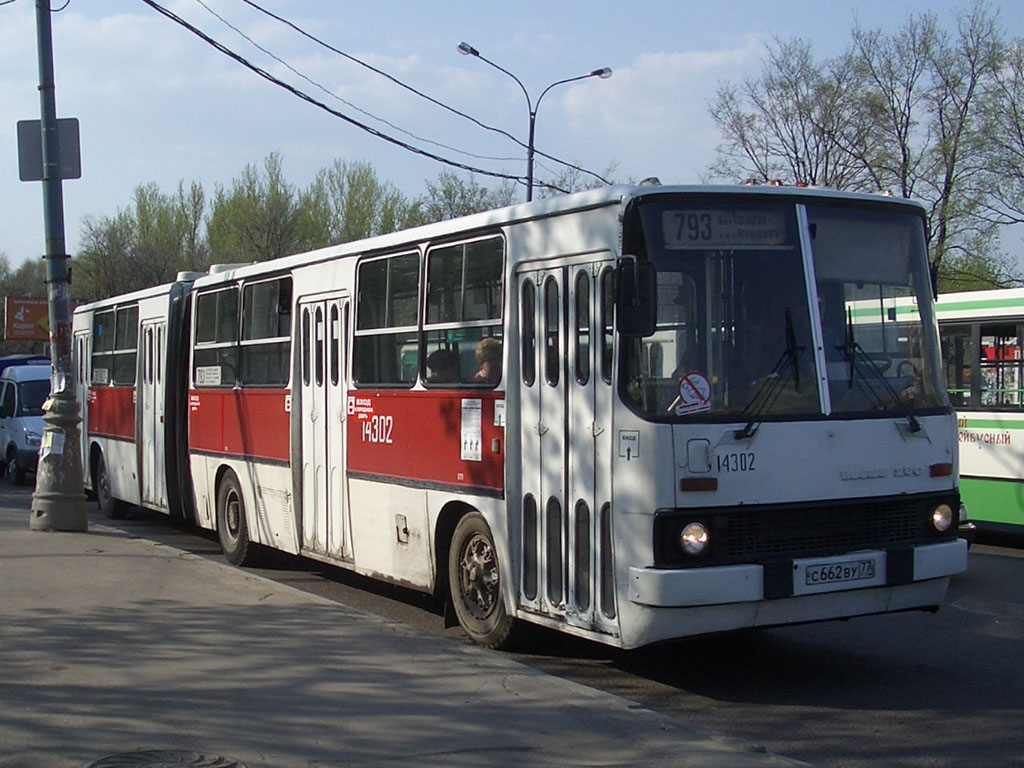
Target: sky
[{"x": 157, "y": 104}]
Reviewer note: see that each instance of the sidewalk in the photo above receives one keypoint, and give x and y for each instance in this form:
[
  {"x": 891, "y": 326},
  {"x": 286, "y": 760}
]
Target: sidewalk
[{"x": 110, "y": 644}]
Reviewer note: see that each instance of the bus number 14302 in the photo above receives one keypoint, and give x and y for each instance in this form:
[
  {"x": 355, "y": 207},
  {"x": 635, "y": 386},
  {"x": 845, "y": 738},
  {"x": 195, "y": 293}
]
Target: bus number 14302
[
  {"x": 377, "y": 429},
  {"x": 736, "y": 462}
]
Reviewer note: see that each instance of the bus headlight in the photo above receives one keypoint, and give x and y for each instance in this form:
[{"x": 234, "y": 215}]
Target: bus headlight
[
  {"x": 942, "y": 518},
  {"x": 33, "y": 438},
  {"x": 693, "y": 539}
]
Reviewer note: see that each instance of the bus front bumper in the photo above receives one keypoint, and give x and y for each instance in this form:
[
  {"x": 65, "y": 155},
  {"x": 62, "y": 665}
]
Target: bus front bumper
[{"x": 722, "y": 585}]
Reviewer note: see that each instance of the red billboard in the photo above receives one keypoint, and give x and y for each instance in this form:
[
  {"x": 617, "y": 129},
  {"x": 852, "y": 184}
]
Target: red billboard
[{"x": 26, "y": 319}]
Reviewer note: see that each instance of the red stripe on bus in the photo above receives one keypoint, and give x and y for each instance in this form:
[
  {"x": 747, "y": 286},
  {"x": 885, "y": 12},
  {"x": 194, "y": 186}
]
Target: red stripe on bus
[
  {"x": 427, "y": 436},
  {"x": 239, "y": 422},
  {"x": 112, "y": 412}
]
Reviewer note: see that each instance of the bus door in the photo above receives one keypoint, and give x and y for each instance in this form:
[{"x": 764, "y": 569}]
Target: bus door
[
  {"x": 323, "y": 329},
  {"x": 151, "y": 443},
  {"x": 565, "y": 385},
  {"x": 82, "y": 364}
]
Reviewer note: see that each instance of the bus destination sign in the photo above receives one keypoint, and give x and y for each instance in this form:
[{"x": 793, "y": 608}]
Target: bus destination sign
[{"x": 721, "y": 228}]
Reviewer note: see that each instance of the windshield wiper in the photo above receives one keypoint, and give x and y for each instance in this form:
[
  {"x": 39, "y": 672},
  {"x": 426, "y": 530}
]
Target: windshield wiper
[
  {"x": 854, "y": 354},
  {"x": 773, "y": 384}
]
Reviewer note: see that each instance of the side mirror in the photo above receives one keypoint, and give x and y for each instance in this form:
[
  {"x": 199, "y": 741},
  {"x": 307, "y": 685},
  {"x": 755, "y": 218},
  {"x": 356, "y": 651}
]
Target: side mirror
[{"x": 636, "y": 297}]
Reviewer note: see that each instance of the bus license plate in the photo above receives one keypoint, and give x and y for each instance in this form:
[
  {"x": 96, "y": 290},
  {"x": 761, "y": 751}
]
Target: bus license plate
[{"x": 830, "y": 575}]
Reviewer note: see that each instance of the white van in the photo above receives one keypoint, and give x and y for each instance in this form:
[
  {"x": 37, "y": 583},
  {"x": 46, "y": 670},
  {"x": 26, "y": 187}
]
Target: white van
[{"x": 23, "y": 390}]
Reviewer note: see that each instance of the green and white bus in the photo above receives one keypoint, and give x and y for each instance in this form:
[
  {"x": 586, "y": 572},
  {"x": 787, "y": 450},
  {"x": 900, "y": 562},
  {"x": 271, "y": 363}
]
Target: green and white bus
[{"x": 981, "y": 334}]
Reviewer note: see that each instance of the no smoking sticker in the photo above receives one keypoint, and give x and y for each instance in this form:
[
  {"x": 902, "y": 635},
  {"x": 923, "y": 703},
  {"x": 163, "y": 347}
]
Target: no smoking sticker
[{"x": 694, "y": 394}]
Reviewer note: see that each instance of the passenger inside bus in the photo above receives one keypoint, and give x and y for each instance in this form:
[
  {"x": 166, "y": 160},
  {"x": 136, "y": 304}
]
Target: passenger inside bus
[
  {"x": 443, "y": 366},
  {"x": 488, "y": 358}
]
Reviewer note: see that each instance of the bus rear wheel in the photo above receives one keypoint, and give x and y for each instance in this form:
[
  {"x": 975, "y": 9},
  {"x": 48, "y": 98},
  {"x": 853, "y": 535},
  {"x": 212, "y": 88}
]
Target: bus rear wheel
[
  {"x": 474, "y": 581},
  {"x": 232, "y": 530},
  {"x": 113, "y": 508}
]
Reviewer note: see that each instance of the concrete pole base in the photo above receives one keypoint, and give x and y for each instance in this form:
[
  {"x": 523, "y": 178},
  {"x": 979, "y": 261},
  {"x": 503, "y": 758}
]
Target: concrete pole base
[
  {"x": 58, "y": 503},
  {"x": 58, "y": 512}
]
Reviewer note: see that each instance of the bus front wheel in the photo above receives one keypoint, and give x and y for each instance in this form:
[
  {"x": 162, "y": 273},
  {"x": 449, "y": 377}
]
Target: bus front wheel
[
  {"x": 231, "y": 527},
  {"x": 475, "y": 583}
]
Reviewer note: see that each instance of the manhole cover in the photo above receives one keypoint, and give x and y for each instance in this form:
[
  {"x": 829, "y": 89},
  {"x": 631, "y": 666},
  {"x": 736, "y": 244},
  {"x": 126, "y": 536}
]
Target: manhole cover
[{"x": 164, "y": 758}]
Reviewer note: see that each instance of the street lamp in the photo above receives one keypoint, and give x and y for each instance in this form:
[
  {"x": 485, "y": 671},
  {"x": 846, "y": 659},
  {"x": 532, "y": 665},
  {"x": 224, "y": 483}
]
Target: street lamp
[{"x": 604, "y": 73}]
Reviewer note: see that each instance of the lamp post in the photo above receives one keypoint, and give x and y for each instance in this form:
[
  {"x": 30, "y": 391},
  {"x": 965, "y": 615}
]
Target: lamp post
[
  {"x": 604, "y": 73},
  {"x": 58, "y": 503}
]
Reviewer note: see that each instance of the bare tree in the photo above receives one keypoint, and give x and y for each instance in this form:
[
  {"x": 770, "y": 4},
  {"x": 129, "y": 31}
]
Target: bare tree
[
  {"x": 1004, "y": 131},
  {"x": 954, "y": 183},
  {"x": 798, "y": 122},
  {"x": 451, "y": 196},
  {"x": 900, "y": 112}
]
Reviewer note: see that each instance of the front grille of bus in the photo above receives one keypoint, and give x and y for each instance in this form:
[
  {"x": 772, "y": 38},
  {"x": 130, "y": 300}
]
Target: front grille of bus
[{"x": 759, "y": 534}]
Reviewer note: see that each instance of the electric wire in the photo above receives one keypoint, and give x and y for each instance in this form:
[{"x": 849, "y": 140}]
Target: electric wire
[
  {"x": 52, "y": 10},
  {"x": 344, "y": 101},
  {"x": 422, "y": 95},
  {"x": 309, "y": 99}
]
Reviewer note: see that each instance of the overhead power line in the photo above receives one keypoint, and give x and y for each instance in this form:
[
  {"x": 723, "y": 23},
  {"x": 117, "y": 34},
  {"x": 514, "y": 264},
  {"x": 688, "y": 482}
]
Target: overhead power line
[
  {"x": 419, "y": 93},
  {"x": 309, "y": 99},
  {"x": 344, "y": 101}
]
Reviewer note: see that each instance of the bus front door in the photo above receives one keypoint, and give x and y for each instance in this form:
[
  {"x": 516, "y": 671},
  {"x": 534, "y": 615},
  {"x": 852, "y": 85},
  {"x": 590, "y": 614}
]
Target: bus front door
[
  {"x": 565, "y": 428},
  {"x": 323, "y": 326}
]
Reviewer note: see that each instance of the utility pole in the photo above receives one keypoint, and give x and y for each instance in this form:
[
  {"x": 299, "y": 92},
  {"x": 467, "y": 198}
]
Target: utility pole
[{"x": 58, "y": 503}]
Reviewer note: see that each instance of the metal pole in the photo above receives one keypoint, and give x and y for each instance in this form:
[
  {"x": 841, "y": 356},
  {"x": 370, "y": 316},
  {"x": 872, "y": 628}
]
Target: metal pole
[{"x": 58, "y": 503}]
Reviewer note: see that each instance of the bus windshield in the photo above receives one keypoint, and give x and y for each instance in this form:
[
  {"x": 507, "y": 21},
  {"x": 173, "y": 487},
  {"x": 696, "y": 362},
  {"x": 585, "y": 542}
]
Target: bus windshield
[
  {"x": 735, "y": 337},
  {"x": 880, "y": 353}
]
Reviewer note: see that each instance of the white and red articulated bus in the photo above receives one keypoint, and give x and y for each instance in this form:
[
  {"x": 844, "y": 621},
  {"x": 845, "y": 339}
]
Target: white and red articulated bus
[{"x": 631, "y": 414}]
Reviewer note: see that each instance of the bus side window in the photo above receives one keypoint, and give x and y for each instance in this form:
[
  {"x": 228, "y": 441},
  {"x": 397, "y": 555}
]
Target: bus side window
[
  {"x": 126, "y": 340},
  {"x": 102, "y": 347},
  {"x": 959, "y": 355},
  {"x": 1001, "y": 365},
  {"x": 386, "y": 344},
  {"x": 462, "y": 327},
  {"x": 215, "y": 356},
  {"x": 266, "y": 332}
]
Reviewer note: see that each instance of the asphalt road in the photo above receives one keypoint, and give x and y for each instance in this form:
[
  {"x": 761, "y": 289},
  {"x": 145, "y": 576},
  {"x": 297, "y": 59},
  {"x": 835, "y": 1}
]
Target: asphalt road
[{"x": 908, "y": 690}]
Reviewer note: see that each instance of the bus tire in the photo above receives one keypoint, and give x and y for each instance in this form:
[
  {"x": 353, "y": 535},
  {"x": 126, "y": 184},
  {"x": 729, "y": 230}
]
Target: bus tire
[
  {"x": 113, "y": 508},
  {"x": 475, "y": 583},
  {"x": 232, "y": 531}
]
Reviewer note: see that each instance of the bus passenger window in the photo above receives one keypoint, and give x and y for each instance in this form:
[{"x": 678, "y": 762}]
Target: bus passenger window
[
  {"x": 960, "y": 357},
  {"x": 215, "y": 357},
  {"x": 266, "y": 332},
  {"x": 463, "y": 313},
  {"x": 386, "y": 344},
  {"x": 126, "y": 341}
]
